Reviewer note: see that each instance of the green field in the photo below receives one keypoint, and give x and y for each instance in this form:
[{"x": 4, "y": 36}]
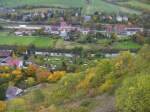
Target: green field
[
  {"x": 99, "y": 5},
  {"x": 126, "y": 45},
  {"x": 136, "y": 4},
  {"x": 95, "y": 5},
  {"x": 41, "y": 42},
  {"x": 61, "y": 3},
  {"x": 47, "y": 42}
]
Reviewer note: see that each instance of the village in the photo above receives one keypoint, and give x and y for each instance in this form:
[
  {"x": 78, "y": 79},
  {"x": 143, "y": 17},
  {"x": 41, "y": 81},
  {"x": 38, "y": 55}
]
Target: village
[
  {"x": 52, "y": 21},
  {"x": 69, "y": 29},
  {"x": 74, "y": 55},
  {"x": 66, "y": 26}
]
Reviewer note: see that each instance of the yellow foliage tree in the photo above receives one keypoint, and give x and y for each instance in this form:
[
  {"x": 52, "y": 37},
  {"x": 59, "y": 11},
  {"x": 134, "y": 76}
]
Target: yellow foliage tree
[
  {"x": 85, "y": 82},
  {"x": 4, "y": 68},
  {"x": 6, "y": 75},
  {"x": 105, "y": 86},
  {"x": 17, "y": 73},
  {"x": 31, "y": 70},
  {"x": 56, "y": 75},
  {"x": 124, "y": 63},
  {"x": 2, "y": 106}
]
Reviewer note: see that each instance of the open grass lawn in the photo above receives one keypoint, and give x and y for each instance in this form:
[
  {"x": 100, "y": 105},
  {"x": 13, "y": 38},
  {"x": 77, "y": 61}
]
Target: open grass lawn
[
  {"x": 61, "y": 3},
  {"x": 126, "y": 45},
  {"x": 95, "y": 5},
  {"x": 136, "y": 4},
  {"x": 104, "y": 42},
  {"x": 47, "y": 42},
  {"x": 99, "y": 5},
  {"x": 41, "y": 42}
]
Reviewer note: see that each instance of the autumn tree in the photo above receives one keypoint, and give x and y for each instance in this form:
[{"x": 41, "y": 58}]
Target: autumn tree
[
  {"x": 2, "y": 106},
  {"x": 42, "y": 75},
  {"x": 31, "y": 70},
  {"x": 56, "y": 75},
  {"x": 134, "y": 95},
  {"x": 124, "y": 64},
  {"x": 20, "y": 50}
]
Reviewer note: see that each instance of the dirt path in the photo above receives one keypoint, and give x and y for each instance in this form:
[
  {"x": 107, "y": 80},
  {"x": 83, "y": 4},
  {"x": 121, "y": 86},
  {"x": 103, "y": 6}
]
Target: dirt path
[{"x": 107, "y": 104}]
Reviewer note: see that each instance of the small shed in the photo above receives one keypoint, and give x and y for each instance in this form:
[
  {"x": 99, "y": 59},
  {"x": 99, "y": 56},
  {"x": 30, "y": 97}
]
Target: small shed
[{"x": 13, "y": 92}]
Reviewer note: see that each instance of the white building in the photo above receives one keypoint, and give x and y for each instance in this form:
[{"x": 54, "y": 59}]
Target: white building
[{"x": 131, "y": 31}]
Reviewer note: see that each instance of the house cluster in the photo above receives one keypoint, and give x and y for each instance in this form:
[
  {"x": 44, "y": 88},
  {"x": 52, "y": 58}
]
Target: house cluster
[
  {"x": 122, "y": 18},
  {"x": 7, "y": 60},
  {"x": 122, "y": 29},
  {"x": 13, "y": 62},
  {"x": 24, "y": 30},
  {"x": 36, "y": 15},
  {"x": 47, "y": 14},
  {"x": 63, "y": 29},
  {"x": 109, "y": 18},
  {"x": 6, "y": 10}
]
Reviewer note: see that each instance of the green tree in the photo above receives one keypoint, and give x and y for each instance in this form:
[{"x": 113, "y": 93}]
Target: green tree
[
  {"x": 1, "y": 27},
  {"x": 138, "y": 38},
  {"x": 3, "y": 88},
  {"x": 114, "y": 37}
]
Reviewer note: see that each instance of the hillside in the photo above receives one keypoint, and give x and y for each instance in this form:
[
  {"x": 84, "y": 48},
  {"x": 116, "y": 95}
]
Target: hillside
[
  {"x": 136, "y": 4},
  {"x": 119, "y": 84},
  {"x": 92, "y": 6}
]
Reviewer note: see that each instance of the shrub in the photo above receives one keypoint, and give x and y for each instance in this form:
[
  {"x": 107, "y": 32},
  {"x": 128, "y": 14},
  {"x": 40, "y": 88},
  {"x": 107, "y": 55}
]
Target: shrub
[
  {"x": 105, "y": 86},
  {"x": 3, "y": 88},
  {"x": 66, "y": 88},
  {"x": 103, "y": 69},
  {"x": 134, "y": 95},
  {"x": 30, "y": 81},
  {"x": 17, "y": 73},
  {"x": 16, "y": 105},
  {"x": 56, "y": 75},
  {"x": 2, "y": 106},
  {"x": 85, "y": 83}
]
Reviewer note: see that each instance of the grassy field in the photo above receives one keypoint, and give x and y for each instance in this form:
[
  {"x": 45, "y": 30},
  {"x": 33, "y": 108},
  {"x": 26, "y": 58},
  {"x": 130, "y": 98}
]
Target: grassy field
[
  {"x": 126, "y": 45},
  {"x": 41, "y": 42},
  {"x": 47, "y": 42},
  {"x": 61, "y": 3},
  {"x": 95, "y": 5},
  {"x": 136, "y": 4},
  {"x": 99, "y": 5}
]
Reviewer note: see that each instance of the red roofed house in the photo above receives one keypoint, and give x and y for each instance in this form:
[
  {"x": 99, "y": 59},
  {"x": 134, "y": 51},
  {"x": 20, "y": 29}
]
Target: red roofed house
[{"x": 9, "y": 61}]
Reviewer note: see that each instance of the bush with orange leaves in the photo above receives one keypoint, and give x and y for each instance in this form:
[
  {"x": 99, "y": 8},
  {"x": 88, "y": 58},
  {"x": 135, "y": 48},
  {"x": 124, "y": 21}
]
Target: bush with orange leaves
[
  {"x": 31, "y": 70},
  {"x": 42, "y": 75},
  {"x": 5, "y": 68},
  {"x": 2, "y": 106},
  {"x": 5, "y": 75},
  {"x": 56, "y": 75},
  {"x": 17, "y": 73}
]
